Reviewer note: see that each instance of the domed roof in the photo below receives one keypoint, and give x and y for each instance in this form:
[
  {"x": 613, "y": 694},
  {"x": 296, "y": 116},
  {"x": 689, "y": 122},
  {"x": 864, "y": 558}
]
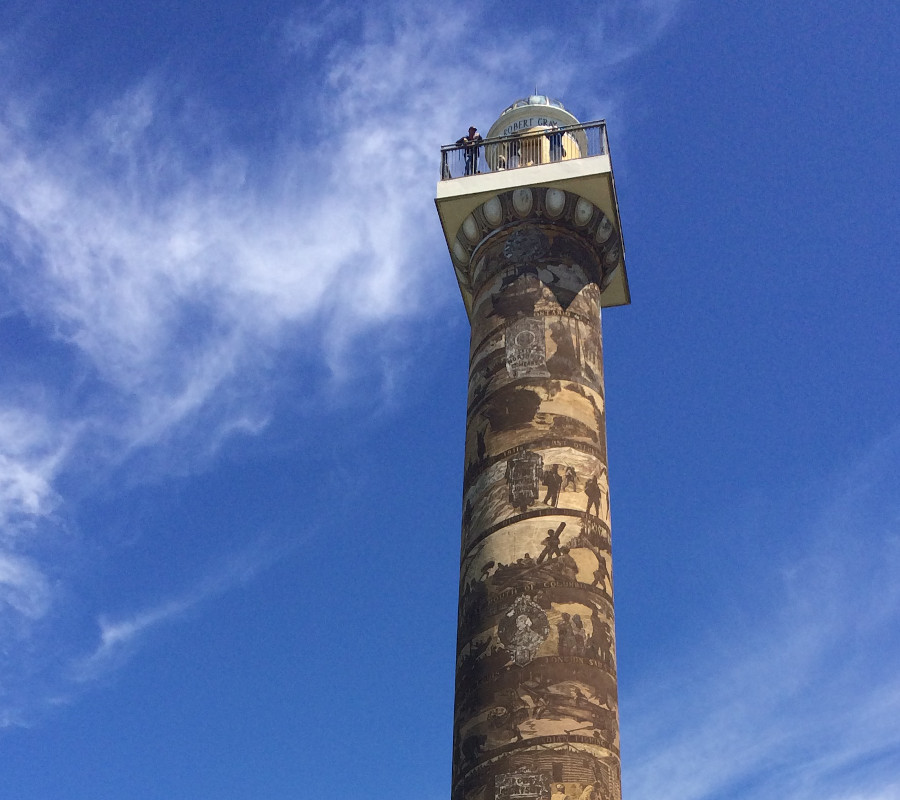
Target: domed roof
[
  {"x": 534, "y": 100},
  {"x": 534, "y": 111}
]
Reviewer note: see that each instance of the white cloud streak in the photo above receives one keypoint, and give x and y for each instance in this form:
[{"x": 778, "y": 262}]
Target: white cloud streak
[
  {"x": 121, "y": 636},
  {"x": 170, "y": 264},
  {"x": 30, "y": 454},
  {"x": 23, "y": 587},
  {"x": 807, "y": 707},
  {"x": 170, "y": 274}
]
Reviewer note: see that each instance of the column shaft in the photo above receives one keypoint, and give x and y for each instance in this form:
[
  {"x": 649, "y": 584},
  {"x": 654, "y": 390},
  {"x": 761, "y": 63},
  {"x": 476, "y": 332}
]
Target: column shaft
[{"x": 536, "y": 713}]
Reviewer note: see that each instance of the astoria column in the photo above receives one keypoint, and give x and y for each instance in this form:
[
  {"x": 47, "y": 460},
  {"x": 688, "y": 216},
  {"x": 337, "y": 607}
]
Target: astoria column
[{"x": 532, "y": 225}]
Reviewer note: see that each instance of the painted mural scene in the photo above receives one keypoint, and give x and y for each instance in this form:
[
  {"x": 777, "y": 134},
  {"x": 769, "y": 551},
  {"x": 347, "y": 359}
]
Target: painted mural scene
[{"x": 538, "y": 254}]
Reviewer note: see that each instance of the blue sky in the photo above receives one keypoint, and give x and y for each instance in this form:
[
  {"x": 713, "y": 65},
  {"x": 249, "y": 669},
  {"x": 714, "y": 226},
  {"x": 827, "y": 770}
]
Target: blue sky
[{"x": 232, "y": 387}]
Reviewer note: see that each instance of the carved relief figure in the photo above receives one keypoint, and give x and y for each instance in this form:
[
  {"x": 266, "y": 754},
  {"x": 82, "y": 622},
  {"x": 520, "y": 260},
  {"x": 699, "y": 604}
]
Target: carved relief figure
[
  {"x": 579, "y": 635},
  {"x": 601, "y": 575},
  {"x": 560, "y": 793},
  {"x": 506, "y": 717},
  {"x": 553, "y": 481},
  {"x": 523, "y": 629},
  {"x": 481, "y": 448},
  {"x": 566, "y": 635},
  {"x": 566, "y": 565},
  {"x": 600, "y": 641},
  {"x": 594, "y": 493},
  {"x": 551, "y": 543}
]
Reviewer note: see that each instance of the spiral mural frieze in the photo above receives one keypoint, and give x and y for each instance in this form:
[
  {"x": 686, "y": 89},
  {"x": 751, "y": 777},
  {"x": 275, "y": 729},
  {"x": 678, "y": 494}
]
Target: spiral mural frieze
[{"x": 536, "y": 703}]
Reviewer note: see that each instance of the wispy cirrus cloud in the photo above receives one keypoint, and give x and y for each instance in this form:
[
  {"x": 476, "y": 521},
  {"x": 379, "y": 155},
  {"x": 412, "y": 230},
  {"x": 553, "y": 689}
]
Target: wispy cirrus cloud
[
  {"x": 806, "y": 706},
  {"x": 169, "y": 259},
  {"x": 31, "y": 452},
  {"x": 23, "y": 587},
  {"x": 167, "y": 265},
  {"x": 120, "y": 636}
]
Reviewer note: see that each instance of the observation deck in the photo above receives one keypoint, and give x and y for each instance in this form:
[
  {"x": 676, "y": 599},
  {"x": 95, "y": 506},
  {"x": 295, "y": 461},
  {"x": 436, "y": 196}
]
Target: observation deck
[{"x": 527, "y": 146}]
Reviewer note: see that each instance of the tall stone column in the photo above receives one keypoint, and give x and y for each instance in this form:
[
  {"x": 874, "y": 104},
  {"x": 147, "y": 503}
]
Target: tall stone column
[{"x": 536, "y": 712}]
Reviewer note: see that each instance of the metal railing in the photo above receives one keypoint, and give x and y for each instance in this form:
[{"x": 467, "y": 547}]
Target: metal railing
[{"x": 525, "y": 149}]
